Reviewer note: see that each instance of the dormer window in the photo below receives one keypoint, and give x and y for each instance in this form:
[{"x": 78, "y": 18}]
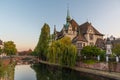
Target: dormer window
[{"x": 91, "y": 36}]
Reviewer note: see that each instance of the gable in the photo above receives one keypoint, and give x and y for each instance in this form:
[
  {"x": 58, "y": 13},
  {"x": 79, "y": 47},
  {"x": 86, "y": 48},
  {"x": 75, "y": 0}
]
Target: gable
[
  {"x": 74, "y": 24},
  {"x": 90, "y": 30},
  {"x": 87, "y": 27}
]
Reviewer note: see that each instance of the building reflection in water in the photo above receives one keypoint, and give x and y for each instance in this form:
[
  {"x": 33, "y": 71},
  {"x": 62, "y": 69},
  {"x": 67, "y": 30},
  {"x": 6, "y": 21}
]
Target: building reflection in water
[{"x": 46, "y": 72}]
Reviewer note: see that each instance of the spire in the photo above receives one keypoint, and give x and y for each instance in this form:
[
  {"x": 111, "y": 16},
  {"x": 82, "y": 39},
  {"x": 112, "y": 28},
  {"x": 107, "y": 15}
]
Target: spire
[
  {"x": 68, "y": 14},
  {"x": 55, "y": 33},
  {"x": 54, "y": 29}
]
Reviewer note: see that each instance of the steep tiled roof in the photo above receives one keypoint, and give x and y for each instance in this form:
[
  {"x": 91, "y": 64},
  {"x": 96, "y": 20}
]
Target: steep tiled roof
[
  {"x": 59, "y": 34},
  {"x": 79, "y": 37},
  {"x": 100, "y": 43},
  {"x": 97, "y": 32},
  {"x": 85, "y": 26},
  {"x": 74, "y": 24}
]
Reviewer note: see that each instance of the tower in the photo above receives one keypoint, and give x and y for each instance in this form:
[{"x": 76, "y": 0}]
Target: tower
[
  {"x": 68, "y": 19},
  {"x": 68, "y": 16},
  {"x": 55, "y": 33},
  {"x": 108, "y": 47}
]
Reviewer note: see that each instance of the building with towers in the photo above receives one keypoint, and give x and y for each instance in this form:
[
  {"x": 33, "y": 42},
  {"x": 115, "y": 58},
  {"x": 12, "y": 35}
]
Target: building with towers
[{"x": 80, "y": 35}]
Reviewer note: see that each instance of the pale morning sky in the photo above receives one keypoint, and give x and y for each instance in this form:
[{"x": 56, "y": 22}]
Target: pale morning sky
[{"x": 21, "y": 20}]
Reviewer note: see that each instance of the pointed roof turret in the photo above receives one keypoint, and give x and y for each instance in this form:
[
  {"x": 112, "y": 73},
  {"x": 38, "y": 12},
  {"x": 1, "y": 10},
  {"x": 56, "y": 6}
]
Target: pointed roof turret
[
  {"x": 108, "y": 41},
  {"x": 54, "y": 29},
  {"x": 68, "y": 15}
]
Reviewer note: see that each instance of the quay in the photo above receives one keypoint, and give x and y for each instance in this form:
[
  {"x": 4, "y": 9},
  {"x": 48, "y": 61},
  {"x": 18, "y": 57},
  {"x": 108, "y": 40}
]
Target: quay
[{"x": 110, "y": 75}]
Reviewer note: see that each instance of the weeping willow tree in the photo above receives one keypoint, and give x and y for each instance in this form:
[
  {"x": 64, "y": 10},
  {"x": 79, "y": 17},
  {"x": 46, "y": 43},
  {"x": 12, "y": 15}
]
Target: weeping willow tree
[
  {"x": 69, "y": 55},
  {"x": 63, "y": 52},
  {"x": 41, "y": 49}
]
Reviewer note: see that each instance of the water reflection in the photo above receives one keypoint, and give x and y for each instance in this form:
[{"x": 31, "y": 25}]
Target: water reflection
[
  {"x": 6, "y": 71},
  {"x": 42, "y": 72},
  {"x": 24, "y": 72},
  {"x": 45, "y": 72}
]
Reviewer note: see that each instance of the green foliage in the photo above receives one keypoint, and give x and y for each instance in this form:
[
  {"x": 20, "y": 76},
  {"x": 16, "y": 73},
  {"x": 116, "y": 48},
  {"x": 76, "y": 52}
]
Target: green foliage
[
  {"x": 69, "y": 56},
  {"x": 43, "y": 43},
  {"x": 90, "y": 61},
  {"x": 9, "y": 48},
  {"x": 1, "y": 50},
  {"x": 1, "y": 69},
  {"x": 90, "y": 51},
  {"x": 102, "y": 55},
  {"x": 116, "y": 49},
  {"x": 7, "y": 70},
  {"x": 63, "y": 52},
  {"x": 34, "y": 53}
]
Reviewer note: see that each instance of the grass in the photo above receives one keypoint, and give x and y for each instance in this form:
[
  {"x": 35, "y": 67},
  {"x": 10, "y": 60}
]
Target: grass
[{"x": 90, "y": 61}]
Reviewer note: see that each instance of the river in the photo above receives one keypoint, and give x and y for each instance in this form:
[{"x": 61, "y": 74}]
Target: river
[
  {"x": 24, "y": 72},
  {"x": 43, "y": 72}
]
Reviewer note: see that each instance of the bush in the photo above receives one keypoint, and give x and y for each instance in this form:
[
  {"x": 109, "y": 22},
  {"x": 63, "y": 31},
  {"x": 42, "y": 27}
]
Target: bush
[{"x": 90, "y": 51}]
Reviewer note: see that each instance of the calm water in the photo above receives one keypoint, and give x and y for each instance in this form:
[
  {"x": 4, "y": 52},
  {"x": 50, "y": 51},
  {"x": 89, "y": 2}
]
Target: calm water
[
  {"x": 46, "y": 72},
  {"x": 24, "y": 72},
  {"x": 43, "y": 72}
]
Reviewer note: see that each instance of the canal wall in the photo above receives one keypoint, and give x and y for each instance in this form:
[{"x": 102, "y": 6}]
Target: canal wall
[
  {"x": 104, "y": 66},
  {"x": 88, "y": 70}
]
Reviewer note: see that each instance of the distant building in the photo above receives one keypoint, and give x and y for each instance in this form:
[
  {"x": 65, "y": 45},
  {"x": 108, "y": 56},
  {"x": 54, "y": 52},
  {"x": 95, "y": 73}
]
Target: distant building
[
  {"x": 110, "y": 42},
  {"x": 112, "y": 38},
  {"x": 114, "y": 41},
  {"x": 80, "y": 35},
  {"x": 22, "y": 53}
]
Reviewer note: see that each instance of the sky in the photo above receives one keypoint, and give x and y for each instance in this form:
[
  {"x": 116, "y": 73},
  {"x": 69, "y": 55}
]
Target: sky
[{"x": 21, "y": 20}]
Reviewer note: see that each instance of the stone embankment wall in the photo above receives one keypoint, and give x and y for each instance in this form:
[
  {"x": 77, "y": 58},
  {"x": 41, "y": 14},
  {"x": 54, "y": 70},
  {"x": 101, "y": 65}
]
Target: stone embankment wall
[
  {"x": 115, "y": 67},
  {"x": 6, "y": 62}
]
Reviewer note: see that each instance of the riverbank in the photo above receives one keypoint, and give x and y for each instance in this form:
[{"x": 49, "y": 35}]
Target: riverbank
[{"x": 111, "y": 75}]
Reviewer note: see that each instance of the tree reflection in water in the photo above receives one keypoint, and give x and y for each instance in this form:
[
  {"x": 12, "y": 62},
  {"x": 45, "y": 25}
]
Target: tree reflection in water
[
  {"x": 6, "y": 71},
  {"x": 46, "y": 72}
]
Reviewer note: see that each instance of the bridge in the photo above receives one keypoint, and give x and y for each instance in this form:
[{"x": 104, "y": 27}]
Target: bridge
[{"x": 20, "y": 60}]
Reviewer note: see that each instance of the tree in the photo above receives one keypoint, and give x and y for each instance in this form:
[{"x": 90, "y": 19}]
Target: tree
[
  {"x": 90, "y": 51},
  {"x": 116, "y": 49},
  {"x": 63, "y": 52},
  {"x": 43, "y": 43},
  {"x": 0, "y": 50},
  {"x": 9, "y": 48}
]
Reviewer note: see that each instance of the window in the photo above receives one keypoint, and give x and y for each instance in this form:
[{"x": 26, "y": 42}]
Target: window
[
  {"x": 83, "y": 44},
  {"x": 91, "y": 36},
  {"x": 108, "y": 50},
  {"x": 79, "y": 45},
  {"x": 91, "y": 43}
]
